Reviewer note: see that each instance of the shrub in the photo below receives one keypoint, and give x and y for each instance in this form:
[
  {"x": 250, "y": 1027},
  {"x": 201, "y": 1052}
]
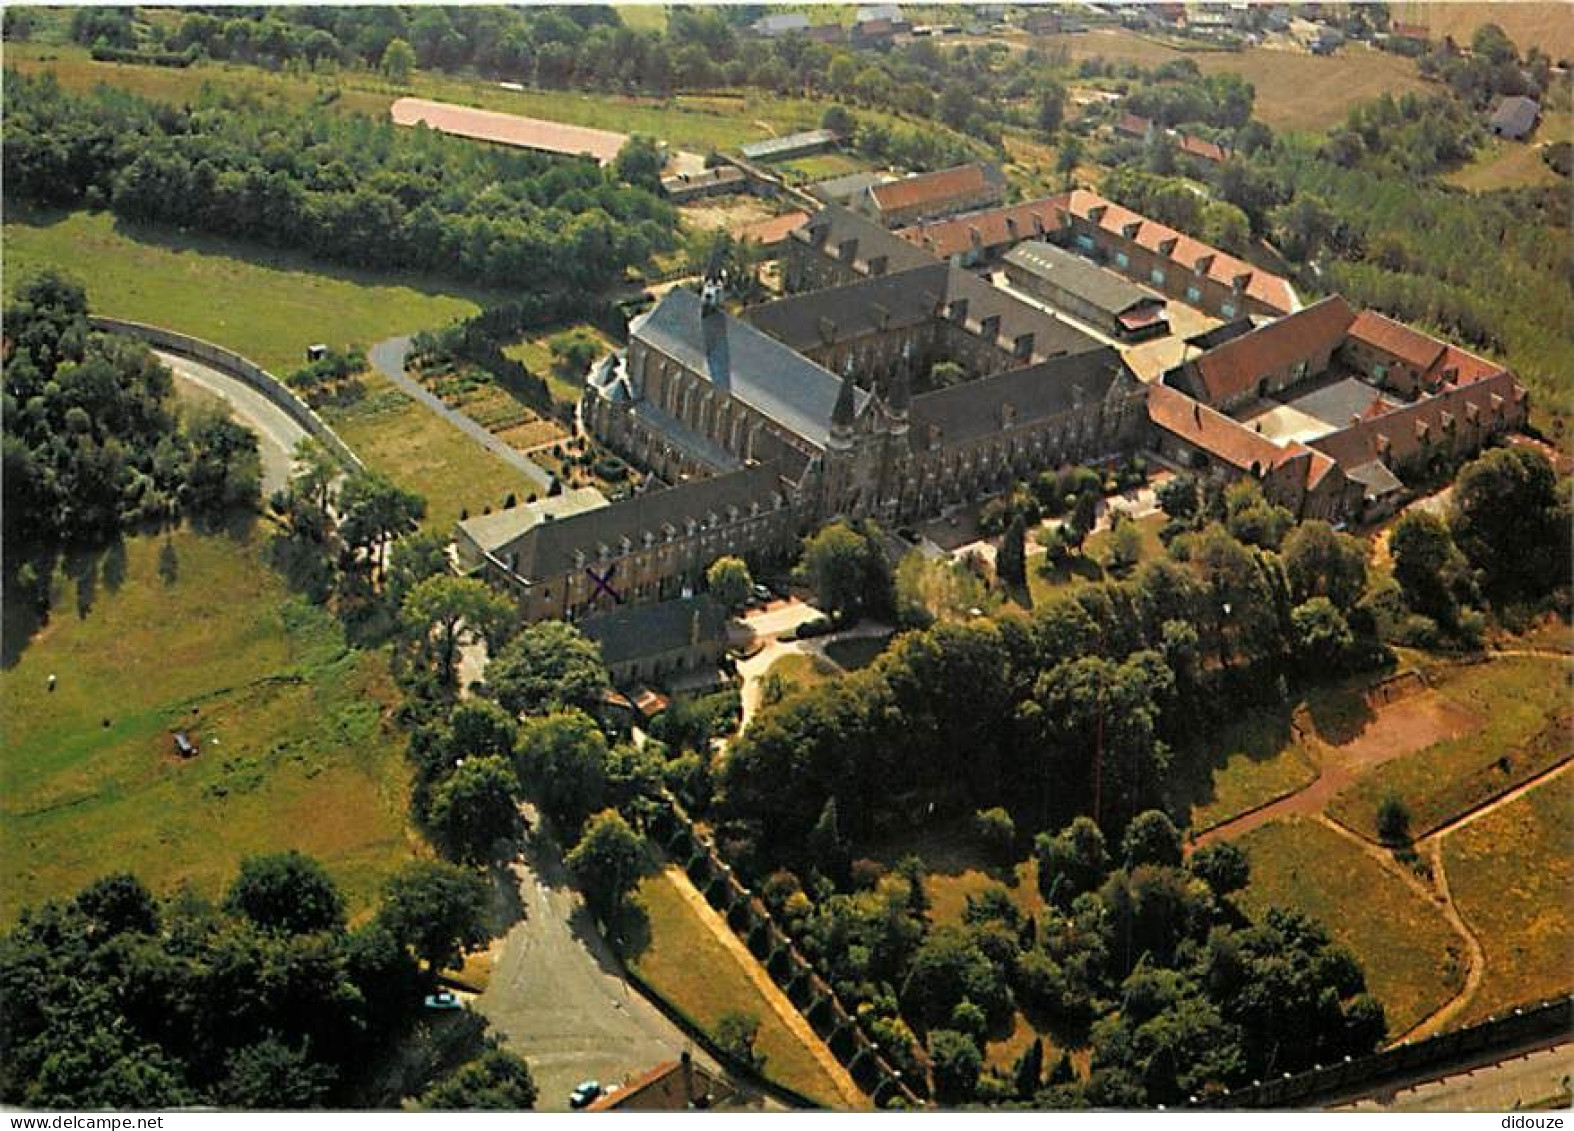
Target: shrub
[{"x": 1393, "y": 820}]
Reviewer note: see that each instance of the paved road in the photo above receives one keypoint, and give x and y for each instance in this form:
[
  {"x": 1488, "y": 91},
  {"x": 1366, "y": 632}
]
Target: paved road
[
  {"x": 277, "y": 432},
  {"x": 556, "y": 992},
  {"x": 388, "y": 359},
  {"x": 1522, "y": 1080}
]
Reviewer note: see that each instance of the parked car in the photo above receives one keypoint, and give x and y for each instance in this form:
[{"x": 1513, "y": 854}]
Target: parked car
[
  {"x": 585, "y": 1094},
  {"x": 443, "y": 1000}
]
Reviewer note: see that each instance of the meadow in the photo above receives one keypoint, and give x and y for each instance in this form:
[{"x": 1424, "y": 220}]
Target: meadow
[
  {"x": 1246, "y": 765},
  {"x": 1522, "y": 702},
  {"x": 269, "y": 305},
  {"x": 1414, "y": 962},
  {"x": 1510, "y": 873},
  {"x": 1503, "y": 164},
  {"x": 690, "y": 967},
  {"x": 193, "y": 632}
]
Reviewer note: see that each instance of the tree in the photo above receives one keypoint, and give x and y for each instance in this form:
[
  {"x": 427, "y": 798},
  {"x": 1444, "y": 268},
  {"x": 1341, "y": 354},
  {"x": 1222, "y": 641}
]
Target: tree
[
  {"x": 1507, "y": 519},
  {"x": 412, "y": 560},
  {"x": 1427, "y": 565},
  {"x": 1011, "y": 561},
  {"x": 272, "y": 1075},
  {"x": 452, "y": 608},
  {"x": 437, "y": 910},
  {"x": 607, "y": 861},
  {"x": 729, "y": 581},
  {"x": 1125, "y": 544},
  {"x": 1071, "y": 862},
  {"x": 476, "y": 807},
  {"x": 563, "y": 757},
  {"x": 848, "y": 571},
  {"x": 1221, "y": 865},
  {"x": 286, "y": 892},
  {"x": 1051, "y": 109},
  {"x": 1393, "y": 820},
  {"x": 640, "y": 162},
  {"x": 315, "y": 471},
  {"x": 1322, "y": 562},
  {"x": 478, "y": 727},
  {"x": 1181, "y": 499},
  {"x": 398, "y": 61},
  {"x": 827, "y": 848},
  {"x": 957, "y": 1064},
  {"x": 735, "y": 1034},
  {"x": 373, "y": 511},
  {"x": 497, "y": 1080},
  {"x": 1321, "y": 636},
  {"x": 1151, "y": 838},
  {"x": 548, "y": 666},
  {"x": 997, "y": 832},
  {"x": 117, "y": 904}
]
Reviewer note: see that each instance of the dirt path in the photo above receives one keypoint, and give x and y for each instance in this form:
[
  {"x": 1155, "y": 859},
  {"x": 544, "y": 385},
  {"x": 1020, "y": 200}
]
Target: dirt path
[{"x": 851, "y": 1096}]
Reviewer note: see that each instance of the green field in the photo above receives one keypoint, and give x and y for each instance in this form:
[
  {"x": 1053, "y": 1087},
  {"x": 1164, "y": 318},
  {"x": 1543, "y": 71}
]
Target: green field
[
  {"x": 192, "y": 632},
  {"x": 1502, "y": 164},
  {"x": 1510, "y": 874},
  {"x": 1250, "y": 763},
  {"x": 268, "y": 306},
  {"x": 535, "y": 354},
  {"x": 691, "y": 968},
  {"x": 1414, "y": 963},
  {"x": 1522, "y": 702},
  {"x": 1089, "y": 566}
]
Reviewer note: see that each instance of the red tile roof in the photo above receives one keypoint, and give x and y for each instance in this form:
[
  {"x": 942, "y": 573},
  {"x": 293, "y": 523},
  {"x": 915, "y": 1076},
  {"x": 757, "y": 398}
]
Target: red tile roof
[
  {"x": 1230, "y": 370},
  {"x": 1396, "y": 339},
  {"x": 1410, "y": 31},
  {"x": 954, "y": 235},
  {"x": 1396, "y": 436},
  {"x": 931, "y": 188},
  {"x": 1266, "y": 288},
  {"x": 1201, "y": 148},
  {"x": 1133, "y": 124},
  {"x": 768, "y": 233},
  {"x": 1213, "y": 432}
]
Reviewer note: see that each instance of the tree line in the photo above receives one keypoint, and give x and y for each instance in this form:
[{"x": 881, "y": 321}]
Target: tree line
[
  {"x": 345, "y": 188},
  {"x": 93, "y": 440}
]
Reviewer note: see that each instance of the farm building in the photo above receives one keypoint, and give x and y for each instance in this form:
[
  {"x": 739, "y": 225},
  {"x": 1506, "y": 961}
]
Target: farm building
[
  {"x": 684, "y": 187},
  {"x": 945, "y": 192},
  {"x": 601, "y": 146},
  {"x": 1085, "y": 290},
  {"x": 786, "y": 148},
  {"x": 1515, "y": 118},
  {"x": 976, "y": 238},
  {"x": 846, "y": 188},
  {"x": 780, "y": 23}
]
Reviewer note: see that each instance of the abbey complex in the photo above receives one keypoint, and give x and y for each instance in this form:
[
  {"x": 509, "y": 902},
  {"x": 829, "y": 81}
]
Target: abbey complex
[{"x": 904, "y": 372}]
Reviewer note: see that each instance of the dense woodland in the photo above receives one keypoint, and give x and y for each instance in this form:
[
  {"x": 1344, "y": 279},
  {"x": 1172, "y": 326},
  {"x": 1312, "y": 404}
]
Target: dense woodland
[
  {"x": 94, "y": 442},
  {"x": 346, "y": 188}
]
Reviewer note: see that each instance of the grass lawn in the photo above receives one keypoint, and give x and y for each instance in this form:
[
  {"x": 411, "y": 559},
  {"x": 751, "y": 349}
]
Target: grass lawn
[
  {"x": 1523, "y": 704},
  {"x": 1295, "y": 90},
  {"x": 820, "y": 166},
  {"x": 850, "y": 655},
  {"x": 535, "y": 354},
  {"x": 268, "y": 306},
  {"x": 1089, "y": 566},
  {"x": 1510, "y": 874},
  {"x": 798, "y": 670},
  {"x": 692, "y": 969},
  {"x": 424, "y": 453},
  {"x": 1413, "y": 960},
  {"x": 194, "y": 632},
  {"x": 1250, "y": 763},
  {"x": 1501, "y": 164},
  {"x": 1546, "y": 25}
]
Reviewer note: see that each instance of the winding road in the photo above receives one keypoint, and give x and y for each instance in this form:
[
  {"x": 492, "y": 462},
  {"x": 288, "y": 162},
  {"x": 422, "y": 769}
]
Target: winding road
[
  {"x": 277, "y": 432},
  {"x": 387, "y": 357}
]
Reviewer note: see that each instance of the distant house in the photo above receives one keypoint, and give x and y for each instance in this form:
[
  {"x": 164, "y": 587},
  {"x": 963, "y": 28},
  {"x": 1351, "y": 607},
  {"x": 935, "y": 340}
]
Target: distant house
[
  {"x": 877, "y": 33},
  {"x": 1418, "y": 33},
  {"x": 1134, "y": 125},
  {"x": 780, "y": 24},
  {"x": 1200, "y": 148},
  {"x": 846, "y": 188},
  {"x": 1515, "y": 117},
  {"x": 1325, "y": 41},
  {"x": 720, "y": 181},
  {"x": 873, "y": 12},
  {"x": 678, "y": 1085},
  {"x": 771, "y": 235},
  {"x": 651, "y": 643},
  {"x": 792, "y": 145}
]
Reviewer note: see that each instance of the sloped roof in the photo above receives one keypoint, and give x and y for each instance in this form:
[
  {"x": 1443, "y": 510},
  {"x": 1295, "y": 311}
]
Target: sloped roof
[
  {"x": 803, "y": 140},
  {"x": 994, "y": 227},
  {"x": 834, "y": 225},
  {"x": 934, "y": 188},
  {"x": 1397, "y": 436},
  {"x": 1396, "y": 339},
  {"x": 1516, "y": 116},
  {"x": 1035, "y": 392},
  {"x": 491, "y": 531},
  {"x": 732, "y": 355},
  {"x": 1105, "y": 290},
  {"x": 633, "y": 632},
  {"x": 1213, "y": 432},
  {"x": 844, "y": 188},
  {"x": 1186, "y": 252},
  {"x": 1200, "y": 147},
  {"x": 768, "y": 233},
  {"x": 1230, "y": 370},
  {"x": 548, "y": 549}
]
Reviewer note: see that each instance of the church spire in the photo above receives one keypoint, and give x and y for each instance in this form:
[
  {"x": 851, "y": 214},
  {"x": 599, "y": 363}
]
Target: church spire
[{"x": 844, "y": 414}]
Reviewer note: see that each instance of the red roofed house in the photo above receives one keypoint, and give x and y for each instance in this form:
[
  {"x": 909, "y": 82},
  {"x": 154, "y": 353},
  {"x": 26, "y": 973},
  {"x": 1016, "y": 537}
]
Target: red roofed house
[
  {"x": 982, "y": 237},
  {"x": 1160, "y": 257},
  {"x": 1269, "y": 359},
  {"x": 677, "y": 1085},
  {"x": 942, "y": 193},
  {"x": 1201, "y": 148}
]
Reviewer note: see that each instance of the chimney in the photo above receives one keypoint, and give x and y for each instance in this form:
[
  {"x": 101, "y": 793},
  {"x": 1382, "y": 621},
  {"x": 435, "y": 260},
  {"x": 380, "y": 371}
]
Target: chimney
[
  {"x": 975, "y": 237},
  {"x": 957, "y": 310}
]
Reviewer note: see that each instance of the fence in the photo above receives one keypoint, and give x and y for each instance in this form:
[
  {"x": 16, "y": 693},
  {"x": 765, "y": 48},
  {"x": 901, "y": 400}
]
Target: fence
[
  {"x": 247, "y": 372},
  {"x": 1549, "y": 1019},
  {"x": 843, "y": 1033}
]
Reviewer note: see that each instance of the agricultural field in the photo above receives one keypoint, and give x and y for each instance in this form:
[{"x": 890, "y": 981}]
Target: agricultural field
[
  {"x": 1544, "y": 25},
  {"x": 1510, "y": 872},
  {"x": 1250, "y": 763},
  {"x": 1520, "y": 703},
  {"x": 1295, "y": 90},
  {"x": 820, "y": 166},
  {"x": 474, "y": 393},
  {"x": 690, "y": 967},
  {"x": 1413, "y": 961},
  {"x": 194, "y": 632}
]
